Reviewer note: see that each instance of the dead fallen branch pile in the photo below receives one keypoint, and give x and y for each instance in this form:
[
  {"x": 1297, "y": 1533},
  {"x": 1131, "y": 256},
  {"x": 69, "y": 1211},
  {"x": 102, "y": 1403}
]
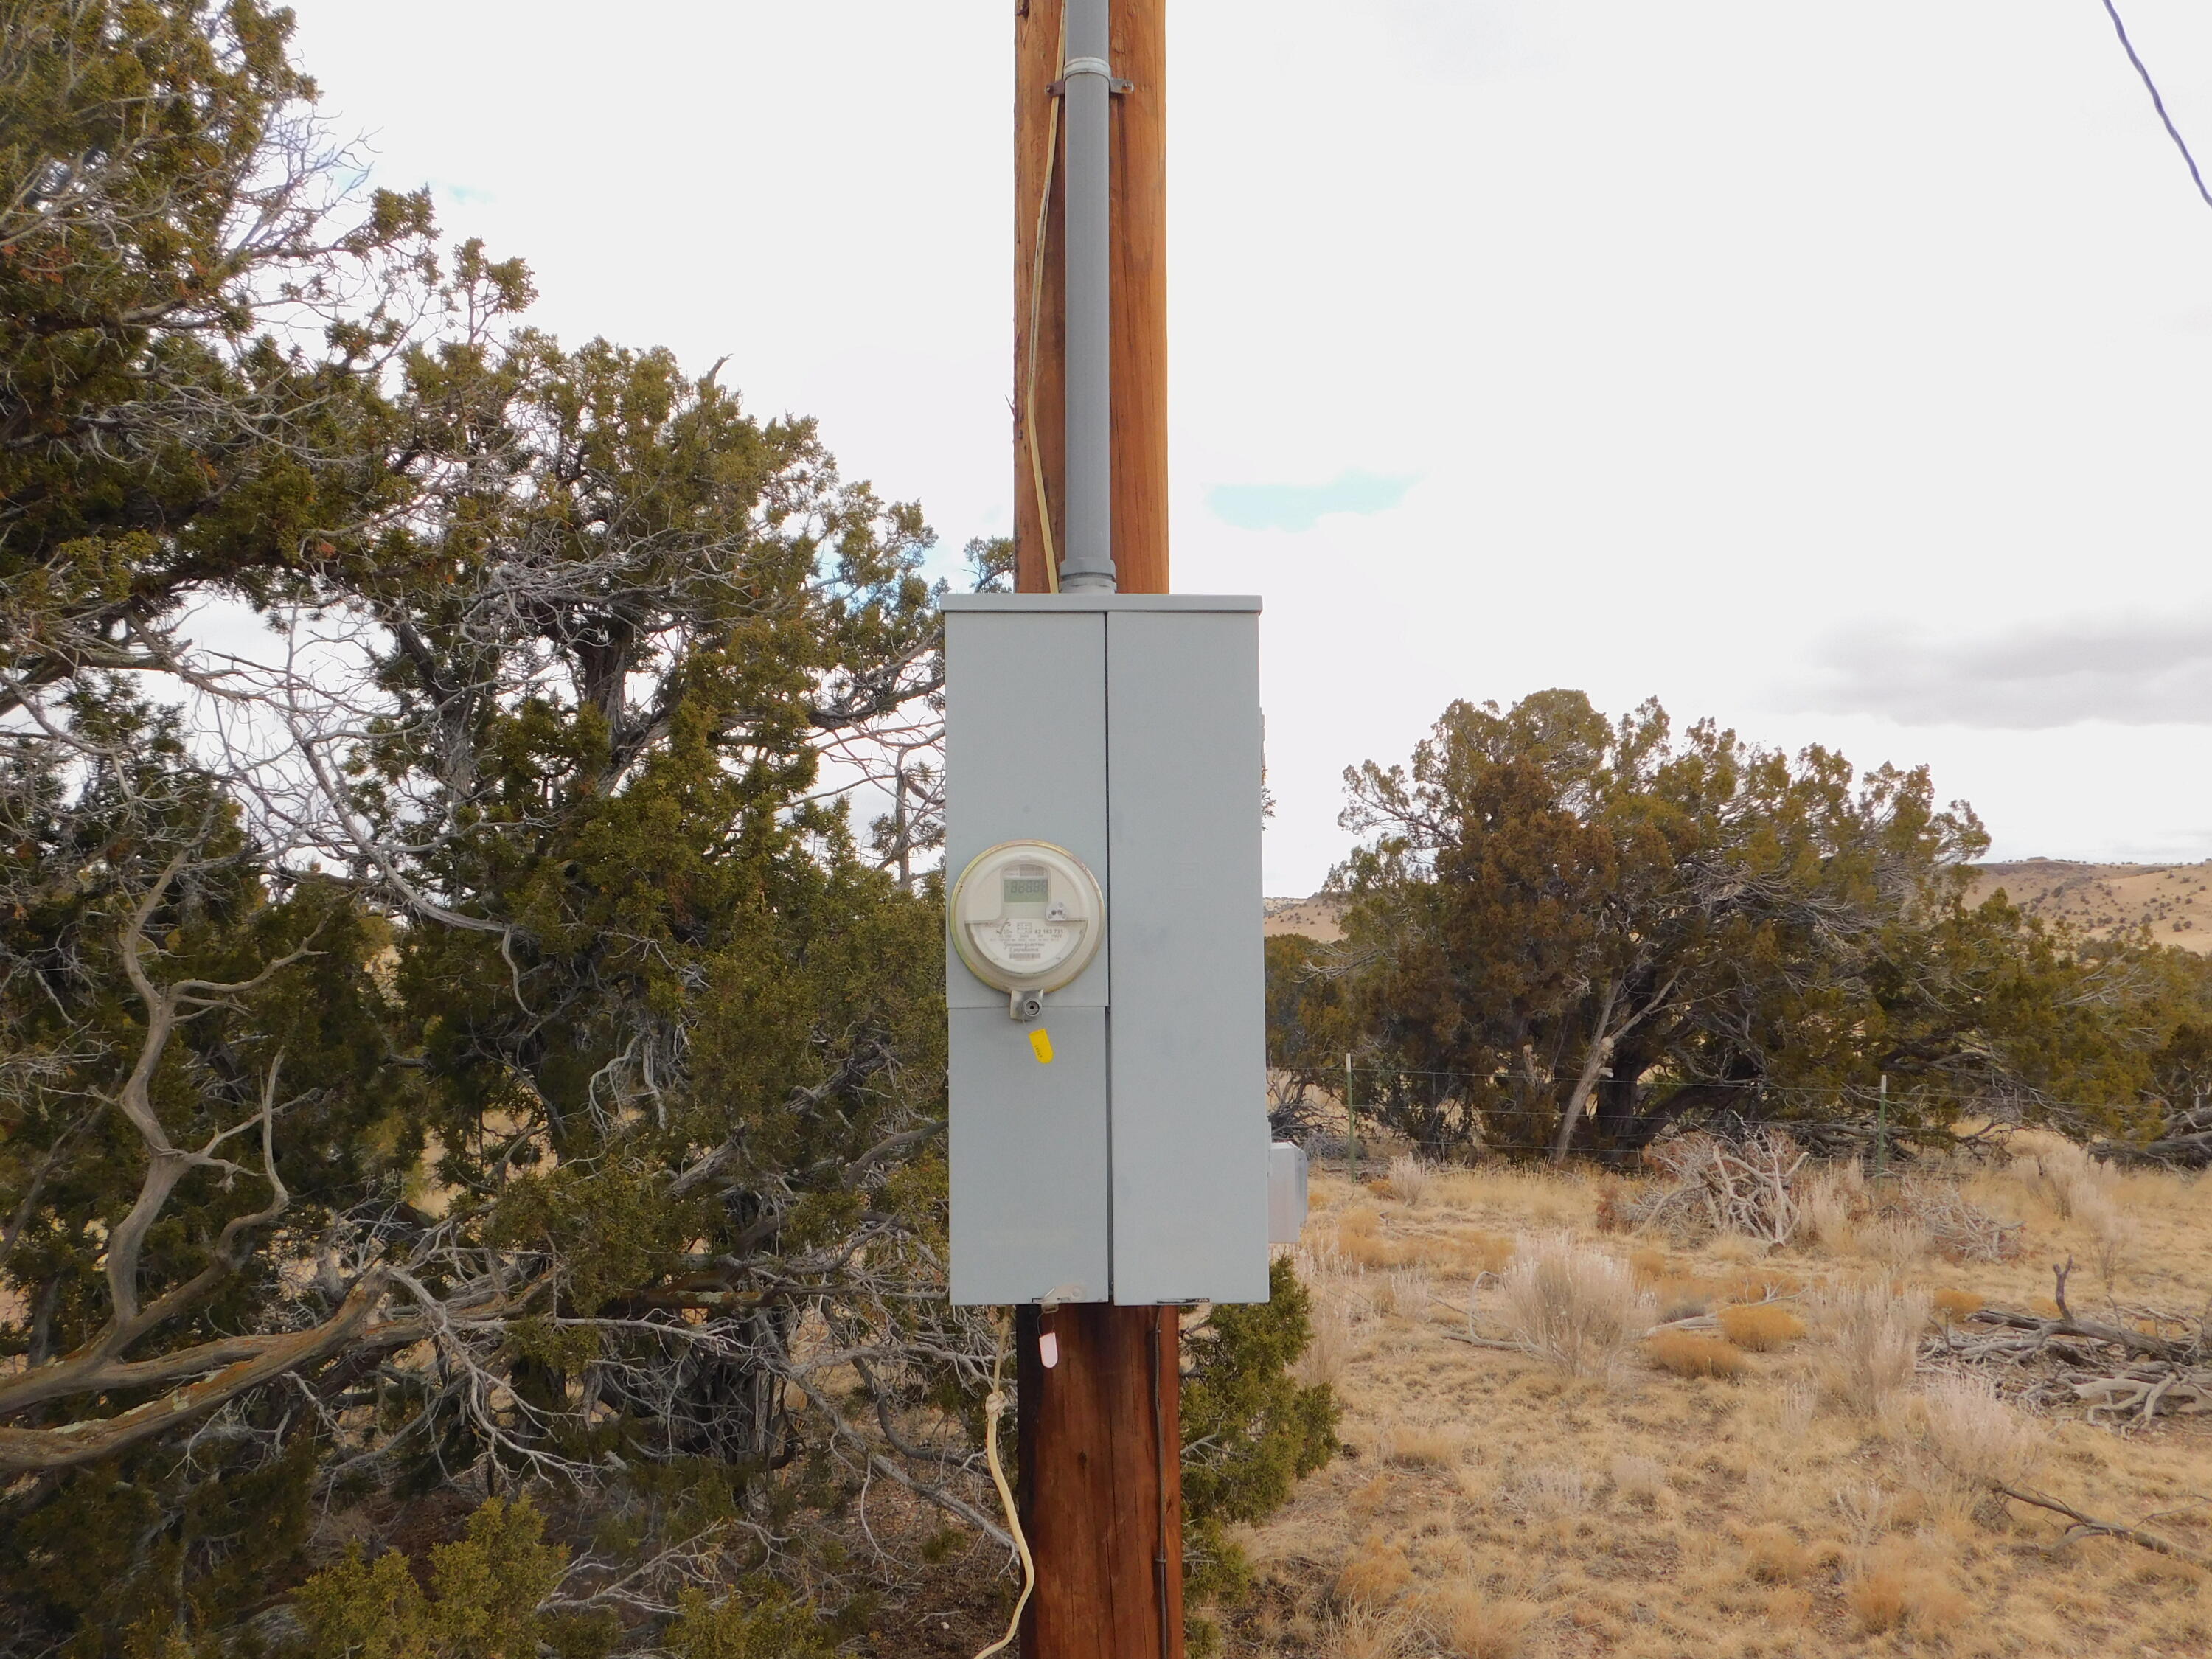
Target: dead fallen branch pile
[
  {"x": 1710, "y": 1185},
  {"x": 2122, "y": 1374},
  {"x": 1763, "y": 1185},
  {"x": 2182, "y": 1142},
  {"x": 1957, "y": 1229},
  {"x": 2088, "y": 1526}
]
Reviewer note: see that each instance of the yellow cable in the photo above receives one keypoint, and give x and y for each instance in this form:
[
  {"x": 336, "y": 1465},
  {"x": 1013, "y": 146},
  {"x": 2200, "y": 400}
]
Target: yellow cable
[
  {"x": 992, "y": 1406},
  {"x": 1036, "y": 299}
]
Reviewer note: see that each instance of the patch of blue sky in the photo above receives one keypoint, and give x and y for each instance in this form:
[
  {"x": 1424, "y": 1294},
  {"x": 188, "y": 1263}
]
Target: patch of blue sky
[{"x": 1301, "y": 507}]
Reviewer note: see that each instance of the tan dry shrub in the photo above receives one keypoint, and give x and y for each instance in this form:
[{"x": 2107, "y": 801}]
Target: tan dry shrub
[
  {"x": 2059, "y": 1173},
  {"x": 1866, "y": 1509},
  {"x": 1761, "y": 1327},
  {"x": 1466, "y": 1623},
  {"x": 1931, "y": 1604},
  {"x": 1897, "y": 1241},
  {"x": 1788, "y": 1605},
  {"x": 1889, "y": 1590},
  {"x": 1682, "y": 1299},
  {"x": 1955, "y": 1307},
  {"x": 1404, "y": 1292},
  {"x": 1360, "y": 1633},
  {"x": 1830, "y": 1202},
  {"x": 1975, "y": 1436},
  {"x": 1762, "y": 1282},
  {"x": 1574, "y": 1306},
  {"x": 1639, "y": 1479},
  {"x": 1373, "y": 1574},
  {"x": 1423, "y": 1445},
  {"x": 1329, "y": 1349},
  {"x": 1875, "y": 1595},
  {"x": 1876, "y": 1331},
  {"x": 1648, "y": 1265},
  {"x": 1551, "y": 1489},
  {"x": 1485, "y": 1252},
  {"x": 1693, "y": 1353},
  {"x": 1411, "y": 1180},
  {"x": 2115, "y": 1236},
  {"x": 1773, "y": 1555},
  {"x": 1359, "y": 1236}
]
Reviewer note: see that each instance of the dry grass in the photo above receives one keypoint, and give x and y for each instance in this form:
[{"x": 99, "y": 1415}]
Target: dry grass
[
  {"x": 1411, "y": 1180},
  {"x": 1953, "y": 1305},
  {"x": 1470, "y": 1625},
  {"x": 1874, "y": 1330},
  {"x": 1975, "y": 1436},
  {"x": 1330, "y": 1349},
  {"x": 1773, "y": 1555},
  {"x": 1424, "y": 1444},
  {"x": 1373, "y": 1575},
  {"x": 1890, "y": 1590},
  {"x": 1639, "y": 1480},
  {"x": 1358, "y": 1633},
  {"x": 1896, "y": 1240},
  {"x": 1761, "y": 1327},
  {"x": 1692, "y": 1353},
  {"x": 1500, "y": 1504},
  {"x": 1573, "y": 1305},
  {"x": 1554, "y": 1489}
]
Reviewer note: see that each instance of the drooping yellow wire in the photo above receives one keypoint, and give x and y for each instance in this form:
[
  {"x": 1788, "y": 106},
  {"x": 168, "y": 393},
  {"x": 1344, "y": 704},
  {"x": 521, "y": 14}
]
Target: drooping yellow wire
[
  {"x": 992, "y": 1406},
  {"x": 1036, "y": 301}
]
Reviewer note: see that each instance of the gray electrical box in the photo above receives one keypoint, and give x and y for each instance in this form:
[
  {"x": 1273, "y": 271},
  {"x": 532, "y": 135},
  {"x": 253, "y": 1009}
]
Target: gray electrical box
[{"x": 1114, "y": 1146}]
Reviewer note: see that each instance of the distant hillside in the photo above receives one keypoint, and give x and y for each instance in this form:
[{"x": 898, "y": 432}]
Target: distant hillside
[
  {"x": 2174, "y": 900},
  {"x": 1316, "y": 918}
]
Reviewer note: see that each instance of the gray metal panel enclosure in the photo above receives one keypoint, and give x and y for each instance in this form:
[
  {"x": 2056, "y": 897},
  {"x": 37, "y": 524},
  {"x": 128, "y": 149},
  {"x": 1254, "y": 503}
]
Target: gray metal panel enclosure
[
  {"x": 1133, "y": 1167},
  {"x": 1187, "y": 1030},
  {"x": 1028, "y": 1158}
]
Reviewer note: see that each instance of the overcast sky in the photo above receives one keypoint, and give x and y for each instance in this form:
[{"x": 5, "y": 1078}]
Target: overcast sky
[{"x": 1841, "y": 371}]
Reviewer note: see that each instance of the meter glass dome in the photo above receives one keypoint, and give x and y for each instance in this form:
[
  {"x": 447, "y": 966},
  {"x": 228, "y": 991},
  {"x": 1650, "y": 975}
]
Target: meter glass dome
[{"x": 1027, "y": 916}]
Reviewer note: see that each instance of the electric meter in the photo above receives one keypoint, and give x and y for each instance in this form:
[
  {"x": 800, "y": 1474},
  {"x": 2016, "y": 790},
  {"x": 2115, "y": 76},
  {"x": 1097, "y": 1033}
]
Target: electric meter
[{"x": 1026, "y": 917}]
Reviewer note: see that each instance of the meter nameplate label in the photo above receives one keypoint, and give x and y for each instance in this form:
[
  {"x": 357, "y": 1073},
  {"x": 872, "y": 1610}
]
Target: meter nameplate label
[{"x": 1023, "y": 946}]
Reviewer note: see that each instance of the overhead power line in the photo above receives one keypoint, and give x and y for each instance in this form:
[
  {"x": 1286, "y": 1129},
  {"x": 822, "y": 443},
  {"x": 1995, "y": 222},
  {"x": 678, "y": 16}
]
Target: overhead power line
[{"x": 2157, "y": 102}]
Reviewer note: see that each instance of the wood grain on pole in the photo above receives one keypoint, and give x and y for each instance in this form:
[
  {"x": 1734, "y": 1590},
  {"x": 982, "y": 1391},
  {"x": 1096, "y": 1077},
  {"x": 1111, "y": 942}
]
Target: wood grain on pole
[
  {"x": 1092, "y": 1500},
  {"x": 1101, "y": 1434},
  {"x": 1036, "y": 62},
  {"x": 1140, "y": 208}
]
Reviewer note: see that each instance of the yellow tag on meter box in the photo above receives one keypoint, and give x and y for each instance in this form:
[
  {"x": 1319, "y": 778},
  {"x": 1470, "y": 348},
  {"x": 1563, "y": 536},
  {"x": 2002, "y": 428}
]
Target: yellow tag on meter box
[{"x": 1041, "y": 1041}]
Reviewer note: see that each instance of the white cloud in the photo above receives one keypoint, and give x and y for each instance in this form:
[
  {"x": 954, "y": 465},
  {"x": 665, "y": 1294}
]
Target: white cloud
[{"x": 2121, "y": 669}]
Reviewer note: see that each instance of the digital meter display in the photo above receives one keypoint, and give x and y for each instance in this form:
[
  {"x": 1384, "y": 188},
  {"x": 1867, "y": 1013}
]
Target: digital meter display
[{"x": 1024, "y": 887}]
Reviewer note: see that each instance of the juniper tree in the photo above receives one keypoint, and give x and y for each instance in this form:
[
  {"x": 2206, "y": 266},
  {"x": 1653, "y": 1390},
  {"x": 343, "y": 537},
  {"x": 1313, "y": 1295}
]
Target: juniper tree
[
  {"x": 1564, "y": 927},
  {"x": 453, "y": 1045}
]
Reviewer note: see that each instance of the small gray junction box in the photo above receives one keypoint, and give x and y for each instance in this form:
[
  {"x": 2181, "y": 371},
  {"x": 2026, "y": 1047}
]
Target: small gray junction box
[{"x": 1115, "y": 1148}]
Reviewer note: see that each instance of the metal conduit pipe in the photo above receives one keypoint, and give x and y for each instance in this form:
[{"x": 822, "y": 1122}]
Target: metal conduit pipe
[{"x": 1087, "y": 80}]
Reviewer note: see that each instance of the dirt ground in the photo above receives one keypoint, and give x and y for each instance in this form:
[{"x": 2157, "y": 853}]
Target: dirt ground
[{"x": 1490, "y": 1504}]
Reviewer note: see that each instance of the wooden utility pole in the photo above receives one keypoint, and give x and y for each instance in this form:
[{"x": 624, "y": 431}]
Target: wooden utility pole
[
  {"x": 1141, "y": 293},
  {"x": 1101, "y": 1432}
]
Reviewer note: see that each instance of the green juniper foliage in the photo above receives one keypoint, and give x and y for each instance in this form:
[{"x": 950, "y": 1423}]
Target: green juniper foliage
[
  {"x": 1569, "y": 932},
  {"x": 1250, "y": 1432}
]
